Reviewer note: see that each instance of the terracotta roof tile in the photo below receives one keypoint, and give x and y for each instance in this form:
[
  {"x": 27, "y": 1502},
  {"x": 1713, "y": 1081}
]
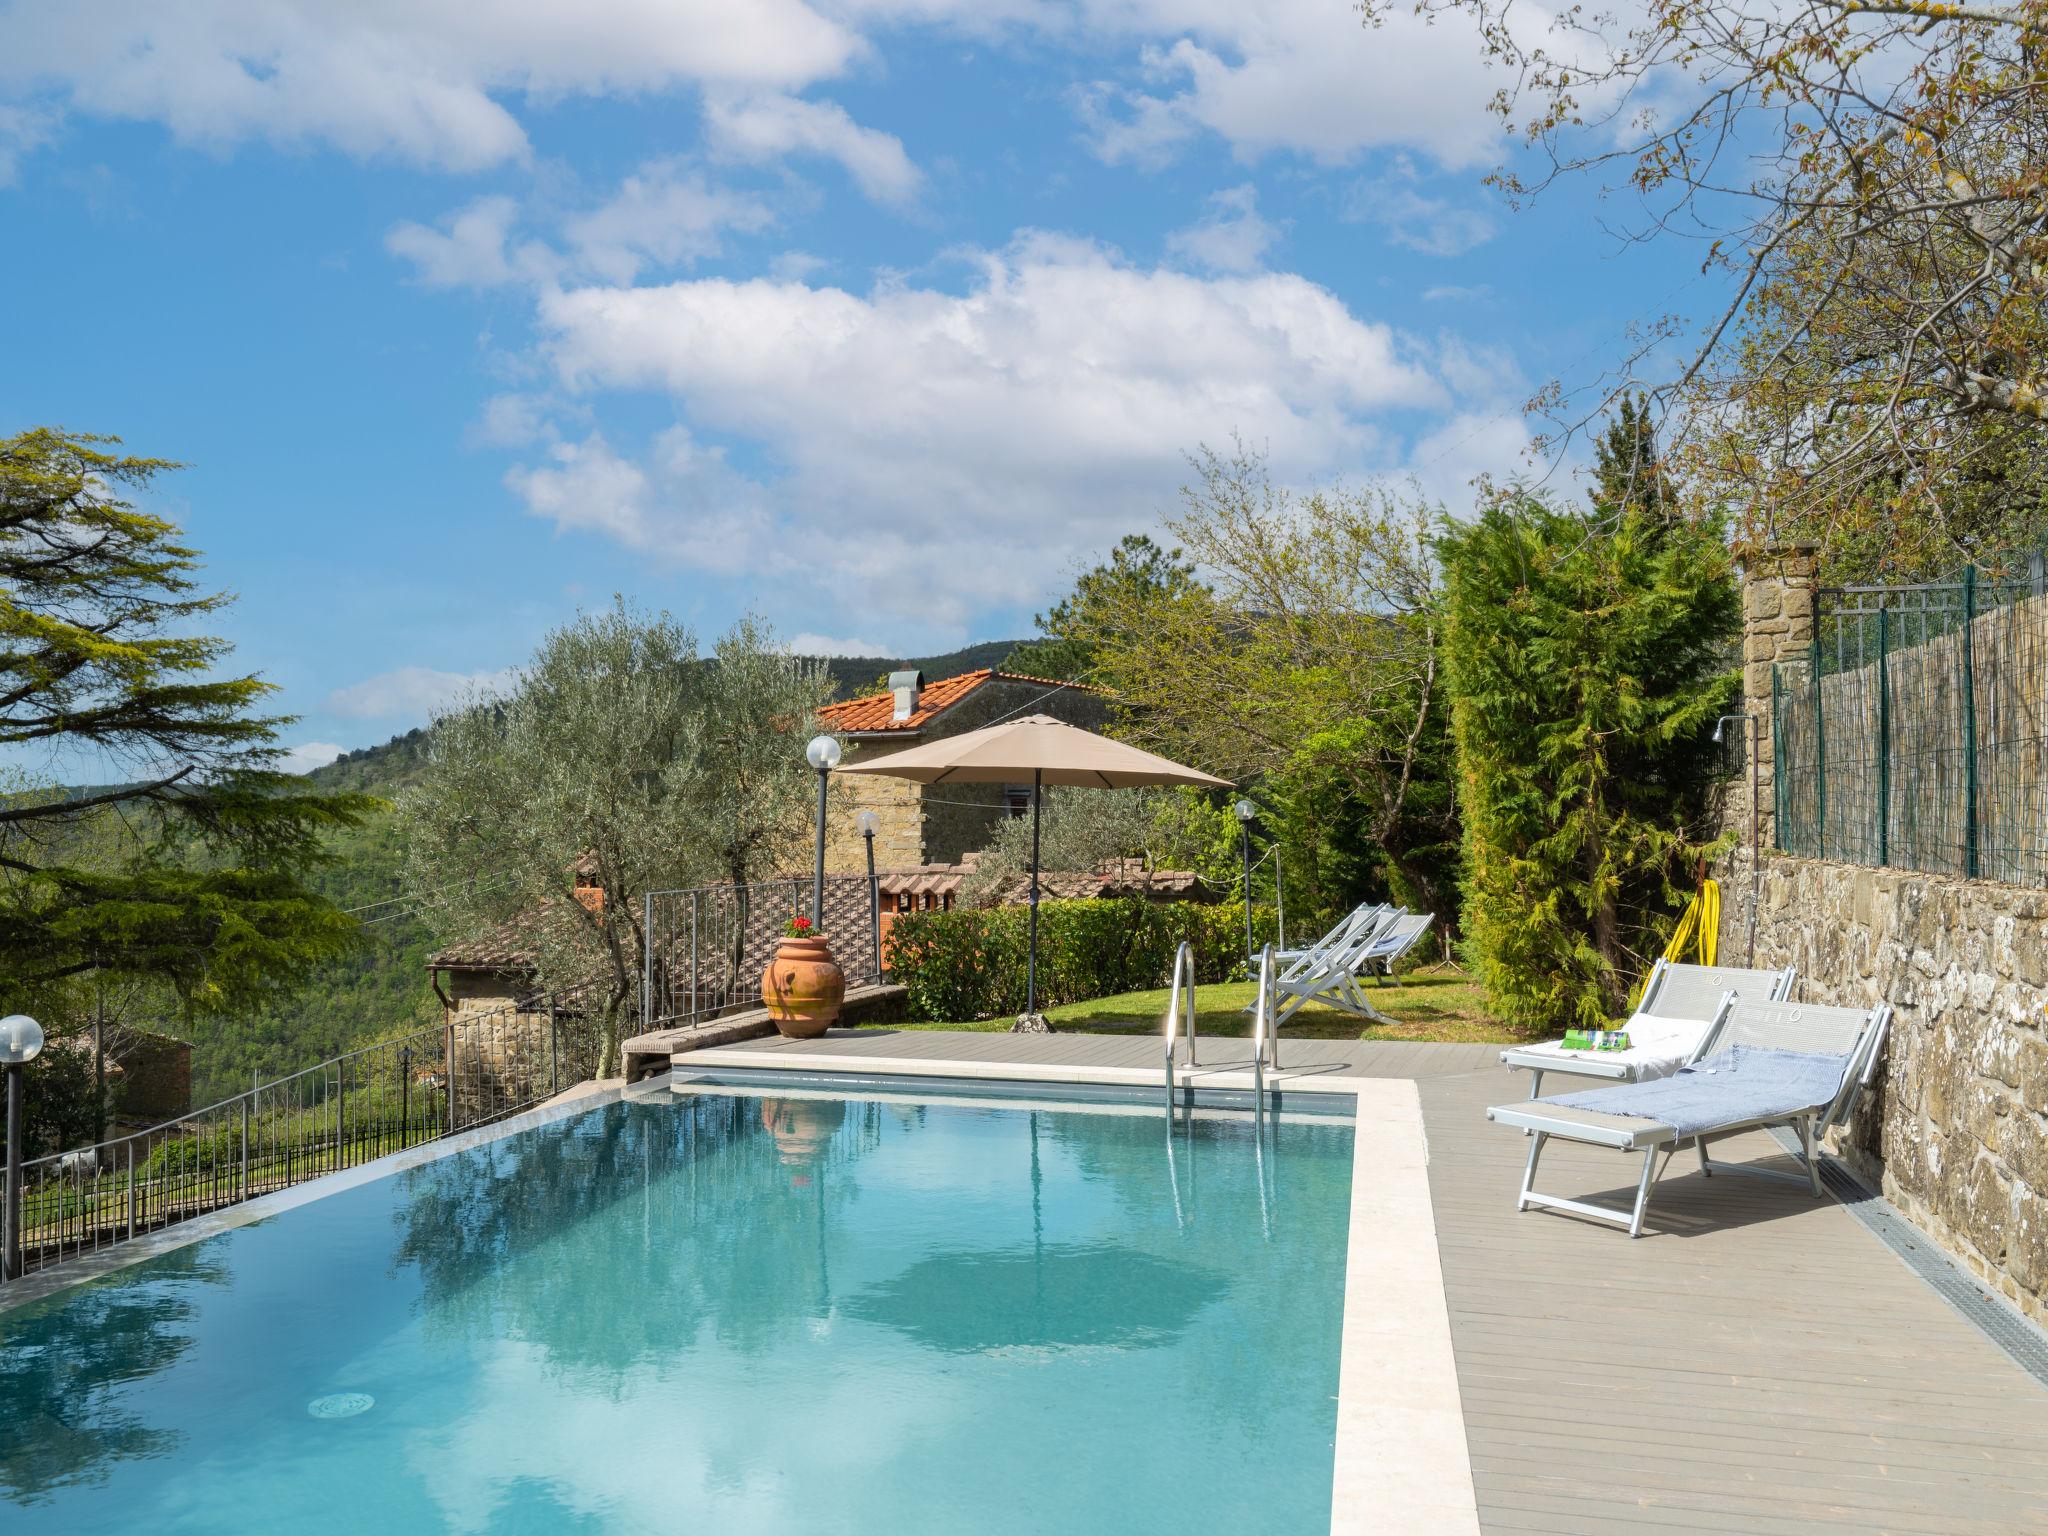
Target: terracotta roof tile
[{"x": 875, "y": 711}]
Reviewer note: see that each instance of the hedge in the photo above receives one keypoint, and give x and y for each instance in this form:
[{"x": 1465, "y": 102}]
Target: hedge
[{"x": 970, "y": 964}]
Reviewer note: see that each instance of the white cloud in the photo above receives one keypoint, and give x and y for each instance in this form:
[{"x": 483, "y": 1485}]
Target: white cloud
[
  {"x": 1233, "y": 238},
  {"x": 417, "y": 79},
  {"x": 665, "y": 215},
  {"x": 1297, "y": 75},
  {"x": 808, "y": 644},
  {"x": 771, "y": 127},
  {"x": 512, "y": 420},
  {"x": 1394, "y": 204},
  {"x": 940, "y": 451},
  {"x": 308, "y": 755},
  {"x": 472, "y": 248},
  {"x": 23, "y": 129},
  {"x": 1469, "y": 447},
  {"x": 683, "y": 503},
  {"x": 1453, "y": 293},
  {"x": 415, "y": 693}
]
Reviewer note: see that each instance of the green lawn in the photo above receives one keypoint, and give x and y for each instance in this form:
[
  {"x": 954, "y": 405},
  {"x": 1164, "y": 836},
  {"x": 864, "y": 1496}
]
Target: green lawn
[{"x": 1425, "y": 1005}]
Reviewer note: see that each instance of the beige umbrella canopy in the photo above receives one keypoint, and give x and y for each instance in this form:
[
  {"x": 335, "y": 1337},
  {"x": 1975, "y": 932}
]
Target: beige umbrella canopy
[{"x": 1051, "y": 752}]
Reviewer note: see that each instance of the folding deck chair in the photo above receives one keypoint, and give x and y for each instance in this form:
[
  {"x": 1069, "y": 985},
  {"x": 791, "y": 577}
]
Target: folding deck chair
[
  {"x": 1678, "y": 1005},
  {"x": 1368, "y": 916},
  {"x": 1828, "y": 1057},
  {"x": 1400, "y": 935},
  {"x": 1334, "y": 979}
]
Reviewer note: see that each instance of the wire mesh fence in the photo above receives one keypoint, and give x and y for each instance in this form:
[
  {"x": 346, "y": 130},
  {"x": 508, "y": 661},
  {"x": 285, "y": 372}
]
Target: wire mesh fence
[
  {"x": 480, "y": 1065},
  {"x": 1915, "y": 734},
  {"x": 707, "y": 948}
]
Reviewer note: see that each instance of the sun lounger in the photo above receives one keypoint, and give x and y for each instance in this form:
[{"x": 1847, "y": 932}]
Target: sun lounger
[
  {"x": 1763, "y": 1064},
  {"x": 1678, "y": 1004}
]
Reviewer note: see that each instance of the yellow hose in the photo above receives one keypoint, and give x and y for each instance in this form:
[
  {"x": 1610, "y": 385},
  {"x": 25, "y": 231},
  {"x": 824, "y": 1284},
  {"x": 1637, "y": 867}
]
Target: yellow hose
[
  {"x": 1697, "y": 935},
  {"x": 1699, "y": 927}
]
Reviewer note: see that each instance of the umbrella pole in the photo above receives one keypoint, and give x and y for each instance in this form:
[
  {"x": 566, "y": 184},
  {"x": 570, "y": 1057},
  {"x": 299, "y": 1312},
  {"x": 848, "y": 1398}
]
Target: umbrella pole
[{"x": 1031, "y": 962}]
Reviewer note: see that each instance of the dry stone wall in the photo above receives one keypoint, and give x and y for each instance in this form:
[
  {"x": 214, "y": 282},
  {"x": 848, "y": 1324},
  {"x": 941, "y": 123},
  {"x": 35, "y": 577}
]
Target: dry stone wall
[{"x": 1957, "y": 1129}]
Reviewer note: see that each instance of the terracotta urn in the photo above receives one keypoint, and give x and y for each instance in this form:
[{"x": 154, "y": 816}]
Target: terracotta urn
[
  {"x": 803, "y": 986},
  {"x": 802, "y": 1128}
]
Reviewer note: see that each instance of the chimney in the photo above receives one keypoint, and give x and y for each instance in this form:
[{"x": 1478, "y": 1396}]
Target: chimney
[
  {"x": 586, "y": 888},
  {"x": 908, "y": 688}
]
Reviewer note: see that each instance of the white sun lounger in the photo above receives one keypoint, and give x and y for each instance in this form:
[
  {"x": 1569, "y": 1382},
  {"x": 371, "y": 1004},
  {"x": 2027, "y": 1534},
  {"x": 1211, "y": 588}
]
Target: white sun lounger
[
  {"x": 1856, "y": 1037},
  {"x": 1678, "y": 1004}
]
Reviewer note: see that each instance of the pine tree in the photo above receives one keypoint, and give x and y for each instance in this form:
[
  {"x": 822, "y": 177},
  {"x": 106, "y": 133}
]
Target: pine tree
[
  {"x": 1586, "y": 656},
  {"x": 1627, "y": 469},
  {"x": 1137, "y": 572},
  {"x": 188, "y": 868}
]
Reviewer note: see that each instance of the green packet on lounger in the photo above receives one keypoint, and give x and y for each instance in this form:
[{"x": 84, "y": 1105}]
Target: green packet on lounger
[{"x": 1596, "y": 1039}]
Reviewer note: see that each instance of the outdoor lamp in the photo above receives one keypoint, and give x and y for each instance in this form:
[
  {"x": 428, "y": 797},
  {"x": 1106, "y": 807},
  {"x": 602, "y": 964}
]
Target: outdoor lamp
[
  {"x": 1245, "y": 812},
  {"x": 21, "y": 1041},
  {"x": 869, "y": 824},
  {"x": 823, "y": 755}
]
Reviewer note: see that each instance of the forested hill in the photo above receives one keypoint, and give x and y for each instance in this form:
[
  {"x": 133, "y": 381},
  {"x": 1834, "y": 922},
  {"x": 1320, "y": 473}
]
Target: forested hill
[
  {"x": 384, "y": 987},
  {"x": 856, "y": 675},
  {"x": 385, "y": 769}
]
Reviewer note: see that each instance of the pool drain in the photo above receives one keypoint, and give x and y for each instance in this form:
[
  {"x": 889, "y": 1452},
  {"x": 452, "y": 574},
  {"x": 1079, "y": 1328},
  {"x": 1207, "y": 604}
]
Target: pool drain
[{"x": 341, "y": 1405}]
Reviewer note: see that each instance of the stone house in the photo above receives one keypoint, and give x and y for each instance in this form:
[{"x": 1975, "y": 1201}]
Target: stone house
[{"x": 923, "y": 826}]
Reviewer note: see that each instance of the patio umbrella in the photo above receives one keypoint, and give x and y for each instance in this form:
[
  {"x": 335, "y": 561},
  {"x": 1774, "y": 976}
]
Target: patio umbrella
[{"x": 1051, "y": 752}]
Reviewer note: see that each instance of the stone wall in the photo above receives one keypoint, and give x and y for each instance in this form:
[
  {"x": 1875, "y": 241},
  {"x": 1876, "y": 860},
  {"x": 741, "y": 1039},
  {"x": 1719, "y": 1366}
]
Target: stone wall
[
  {"x": 1956, "y": 1129},
  {"x": 156, "y": 1075},
  {"x": 1777, "y": 626},
  {"x": 1957, "y": 1133},
  {"x": 498, "y": 1058},
  {"x": 898, "y": 805}
]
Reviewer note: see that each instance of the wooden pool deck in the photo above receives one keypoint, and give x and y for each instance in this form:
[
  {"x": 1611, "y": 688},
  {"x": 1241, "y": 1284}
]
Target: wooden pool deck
[{"x": 1756, "y": 1362}]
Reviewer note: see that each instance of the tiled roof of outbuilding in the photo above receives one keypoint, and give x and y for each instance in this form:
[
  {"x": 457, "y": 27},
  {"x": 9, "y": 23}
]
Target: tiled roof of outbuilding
[{"x": 873, "y": 712}]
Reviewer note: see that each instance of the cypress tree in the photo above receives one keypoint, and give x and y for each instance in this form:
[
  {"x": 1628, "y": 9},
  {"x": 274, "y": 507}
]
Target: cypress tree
[{"x": 1587, "y": 657}]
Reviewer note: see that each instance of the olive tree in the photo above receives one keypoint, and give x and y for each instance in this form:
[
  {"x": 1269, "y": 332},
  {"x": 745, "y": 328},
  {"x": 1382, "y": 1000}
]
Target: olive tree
[{"x": 622, "y": 751}]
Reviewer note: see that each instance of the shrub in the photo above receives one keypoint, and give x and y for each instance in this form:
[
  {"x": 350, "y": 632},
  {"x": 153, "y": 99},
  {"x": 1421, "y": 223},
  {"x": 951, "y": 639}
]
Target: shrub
[
  {"x": 970, "y": 964},
  {"x": 1587, "y": 658}
]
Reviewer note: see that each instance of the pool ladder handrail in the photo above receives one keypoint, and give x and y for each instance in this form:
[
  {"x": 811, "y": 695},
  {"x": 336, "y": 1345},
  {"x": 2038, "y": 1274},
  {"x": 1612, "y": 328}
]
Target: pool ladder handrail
[
  {"x": 1265, "y": 1033},
  {"x": 1181, "y": 1003}
]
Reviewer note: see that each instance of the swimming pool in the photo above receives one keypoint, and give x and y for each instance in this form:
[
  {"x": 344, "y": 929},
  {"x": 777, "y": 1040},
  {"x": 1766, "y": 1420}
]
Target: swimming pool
[{"x": 731, "y": 1312}]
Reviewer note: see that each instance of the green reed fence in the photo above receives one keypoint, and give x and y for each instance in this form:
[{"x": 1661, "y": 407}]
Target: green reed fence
[{"x": 1915, "y": 735}]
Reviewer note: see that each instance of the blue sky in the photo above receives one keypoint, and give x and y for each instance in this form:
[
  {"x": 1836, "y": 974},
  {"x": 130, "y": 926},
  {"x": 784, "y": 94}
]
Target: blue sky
[{"x": 875, "y": 317}]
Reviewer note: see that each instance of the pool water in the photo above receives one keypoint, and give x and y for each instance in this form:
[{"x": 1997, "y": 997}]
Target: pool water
[{"x": 728, "y": 1314}]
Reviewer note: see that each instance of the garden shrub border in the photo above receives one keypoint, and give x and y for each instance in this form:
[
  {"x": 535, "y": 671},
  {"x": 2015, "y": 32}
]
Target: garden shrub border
[{"x": 969, "y": 963}]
